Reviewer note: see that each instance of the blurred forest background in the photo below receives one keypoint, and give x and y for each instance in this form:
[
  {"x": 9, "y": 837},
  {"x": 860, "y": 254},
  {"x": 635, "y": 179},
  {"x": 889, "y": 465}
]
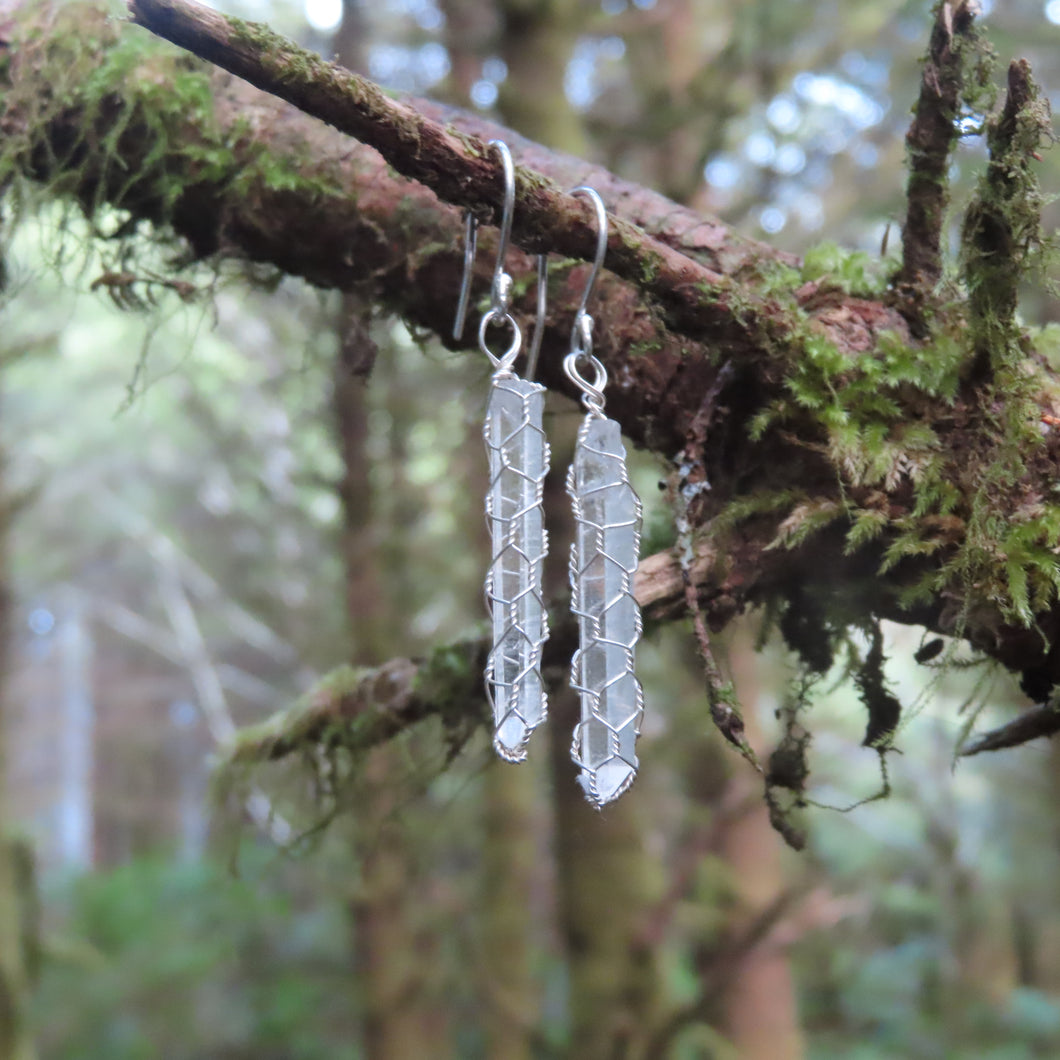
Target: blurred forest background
[{"x": 207, "y": 509}]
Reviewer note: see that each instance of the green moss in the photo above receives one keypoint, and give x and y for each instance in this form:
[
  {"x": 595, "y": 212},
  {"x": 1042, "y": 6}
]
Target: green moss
[
  {"x": 762, "y": 502},
  {"x": 647, "y": 348},
  {"x": 777, "y": 280},
  {"x": 256, "y": 36},
  {"x": 804, "y": 519},
  {"x": 852, "y": 271},
  {"x": 965, "y": 511},
  {"x": 649, "y": 268},
  {"x": 867, "y": 525},
  {"x": 451, "y": 678},
  {"x": 301, "y": 722},
  {"x": 1002, "y": 241}
]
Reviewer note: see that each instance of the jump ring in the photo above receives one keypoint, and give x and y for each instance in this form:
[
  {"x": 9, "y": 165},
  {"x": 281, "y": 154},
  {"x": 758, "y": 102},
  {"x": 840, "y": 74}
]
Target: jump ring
[
  {"x": 592, "y": 392},
  {"x": 506, "y": 359}
]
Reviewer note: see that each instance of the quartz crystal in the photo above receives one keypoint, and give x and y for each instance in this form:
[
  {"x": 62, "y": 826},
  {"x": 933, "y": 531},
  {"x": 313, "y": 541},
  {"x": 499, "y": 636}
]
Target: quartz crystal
[
  {"x": 603, "y": 562},
  {"x": 518, "y": 462}
]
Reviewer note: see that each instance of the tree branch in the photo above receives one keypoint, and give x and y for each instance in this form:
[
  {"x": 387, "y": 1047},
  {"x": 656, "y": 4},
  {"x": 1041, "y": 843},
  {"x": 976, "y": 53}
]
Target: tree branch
[
  {"x": 300, "y": 197},
  {"x": 355, "y": 708},
  {"x": 361, "y": 708}
]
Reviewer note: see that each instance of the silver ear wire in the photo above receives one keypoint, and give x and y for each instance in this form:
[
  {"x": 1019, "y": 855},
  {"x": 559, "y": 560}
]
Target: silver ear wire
[
  {"x": 581, "y": 341},
  {"x": 498, "y": 292},
  {"x": 598, "y": 260},
  {"x": 470, "y": 246},
  {"x": 506, "y": 216},
  {"x": 539, "y": 324},
  {"x": 581, "y": 337},
  {"x": 501, "y": 287}
]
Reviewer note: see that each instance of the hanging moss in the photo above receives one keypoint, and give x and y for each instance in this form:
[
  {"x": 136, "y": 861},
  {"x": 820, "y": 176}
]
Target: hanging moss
[{"x": 72, "y": 71}]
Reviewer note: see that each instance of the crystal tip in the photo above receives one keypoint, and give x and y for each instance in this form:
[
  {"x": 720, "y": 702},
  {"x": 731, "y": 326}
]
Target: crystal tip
[
  {"x": 511, "y": 738},
  {"x": 611, "y": 779}
]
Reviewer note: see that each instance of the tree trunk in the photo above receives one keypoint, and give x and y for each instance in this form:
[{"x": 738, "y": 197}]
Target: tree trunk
[
  {"x": 513, "y": 837},
  {"x": 536, "y": 44},
  {"x": 607, "y": 880},
  {"x": 514, "y": 832},
  {"x": 759, "y": 1013},
  {"x": 607, "y": 886},
  {"x": 16, "y": 876},
  {"x": 392, "y": 980}
]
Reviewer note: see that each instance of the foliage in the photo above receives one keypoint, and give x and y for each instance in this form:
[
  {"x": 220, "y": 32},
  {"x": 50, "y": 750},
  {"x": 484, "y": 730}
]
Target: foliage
[{"x": 188, "y": 956}]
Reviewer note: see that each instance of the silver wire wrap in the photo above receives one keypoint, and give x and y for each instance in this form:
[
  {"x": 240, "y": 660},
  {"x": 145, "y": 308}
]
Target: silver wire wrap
[
  {"x": 603, "y": 562},
  {"x": 518, "y": 456},
  {"x": 518, "y": 461}
]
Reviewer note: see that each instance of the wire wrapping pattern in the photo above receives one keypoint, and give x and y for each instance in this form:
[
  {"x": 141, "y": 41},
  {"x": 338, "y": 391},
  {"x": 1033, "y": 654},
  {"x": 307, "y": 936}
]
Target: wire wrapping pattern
[
  {"x": 603, "y": 562},
  {"x": 518, "y": 462}
]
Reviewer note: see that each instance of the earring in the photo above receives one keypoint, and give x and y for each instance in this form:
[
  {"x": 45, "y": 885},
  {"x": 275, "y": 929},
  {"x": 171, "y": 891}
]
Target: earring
[
  {"x": 518, "y": 461},
  {"x": 602, "y": 564}
]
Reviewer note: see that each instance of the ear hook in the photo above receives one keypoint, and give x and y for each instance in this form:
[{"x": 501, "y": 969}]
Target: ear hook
[
  {"x": 500, "y": 293},
  {"x": 581, "y": 332},
  {"x": 581, "y": 337},
  {"x": 501, "y": 289},
  {"x": 470, "y": 246},
  {"x": 539, "y": 324}
]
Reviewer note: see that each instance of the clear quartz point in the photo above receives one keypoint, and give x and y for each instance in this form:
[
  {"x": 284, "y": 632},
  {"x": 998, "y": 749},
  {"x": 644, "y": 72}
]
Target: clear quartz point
[
  {"x": 518, "y": 461},
  {"x": 603, "y": 562}
]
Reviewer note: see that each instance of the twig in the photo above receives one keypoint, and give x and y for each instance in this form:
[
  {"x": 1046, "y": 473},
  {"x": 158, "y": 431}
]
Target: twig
[
  {"x": 135, "y": 627},
  {"x": 1042, "y": 720},
  {"x": 725, "y": 967},
  {"x": 208, "y": 688},
  {"x": 255, "y": 633},
  {"x": 690, "y": 484}
]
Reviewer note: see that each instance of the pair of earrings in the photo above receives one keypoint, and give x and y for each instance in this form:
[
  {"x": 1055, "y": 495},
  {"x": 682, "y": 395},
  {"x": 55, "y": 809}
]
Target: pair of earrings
[{"x": 603, "y": 558}]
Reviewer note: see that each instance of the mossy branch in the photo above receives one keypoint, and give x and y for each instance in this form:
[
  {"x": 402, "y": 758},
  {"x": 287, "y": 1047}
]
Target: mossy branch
[
  {"x": 458, "y": 169},
  {"x": 359, "y": 708},
  {"x": 929, "y": 143},
  {"x": 353, "y": 708},
  {"x": 1002, "y": 228}
]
